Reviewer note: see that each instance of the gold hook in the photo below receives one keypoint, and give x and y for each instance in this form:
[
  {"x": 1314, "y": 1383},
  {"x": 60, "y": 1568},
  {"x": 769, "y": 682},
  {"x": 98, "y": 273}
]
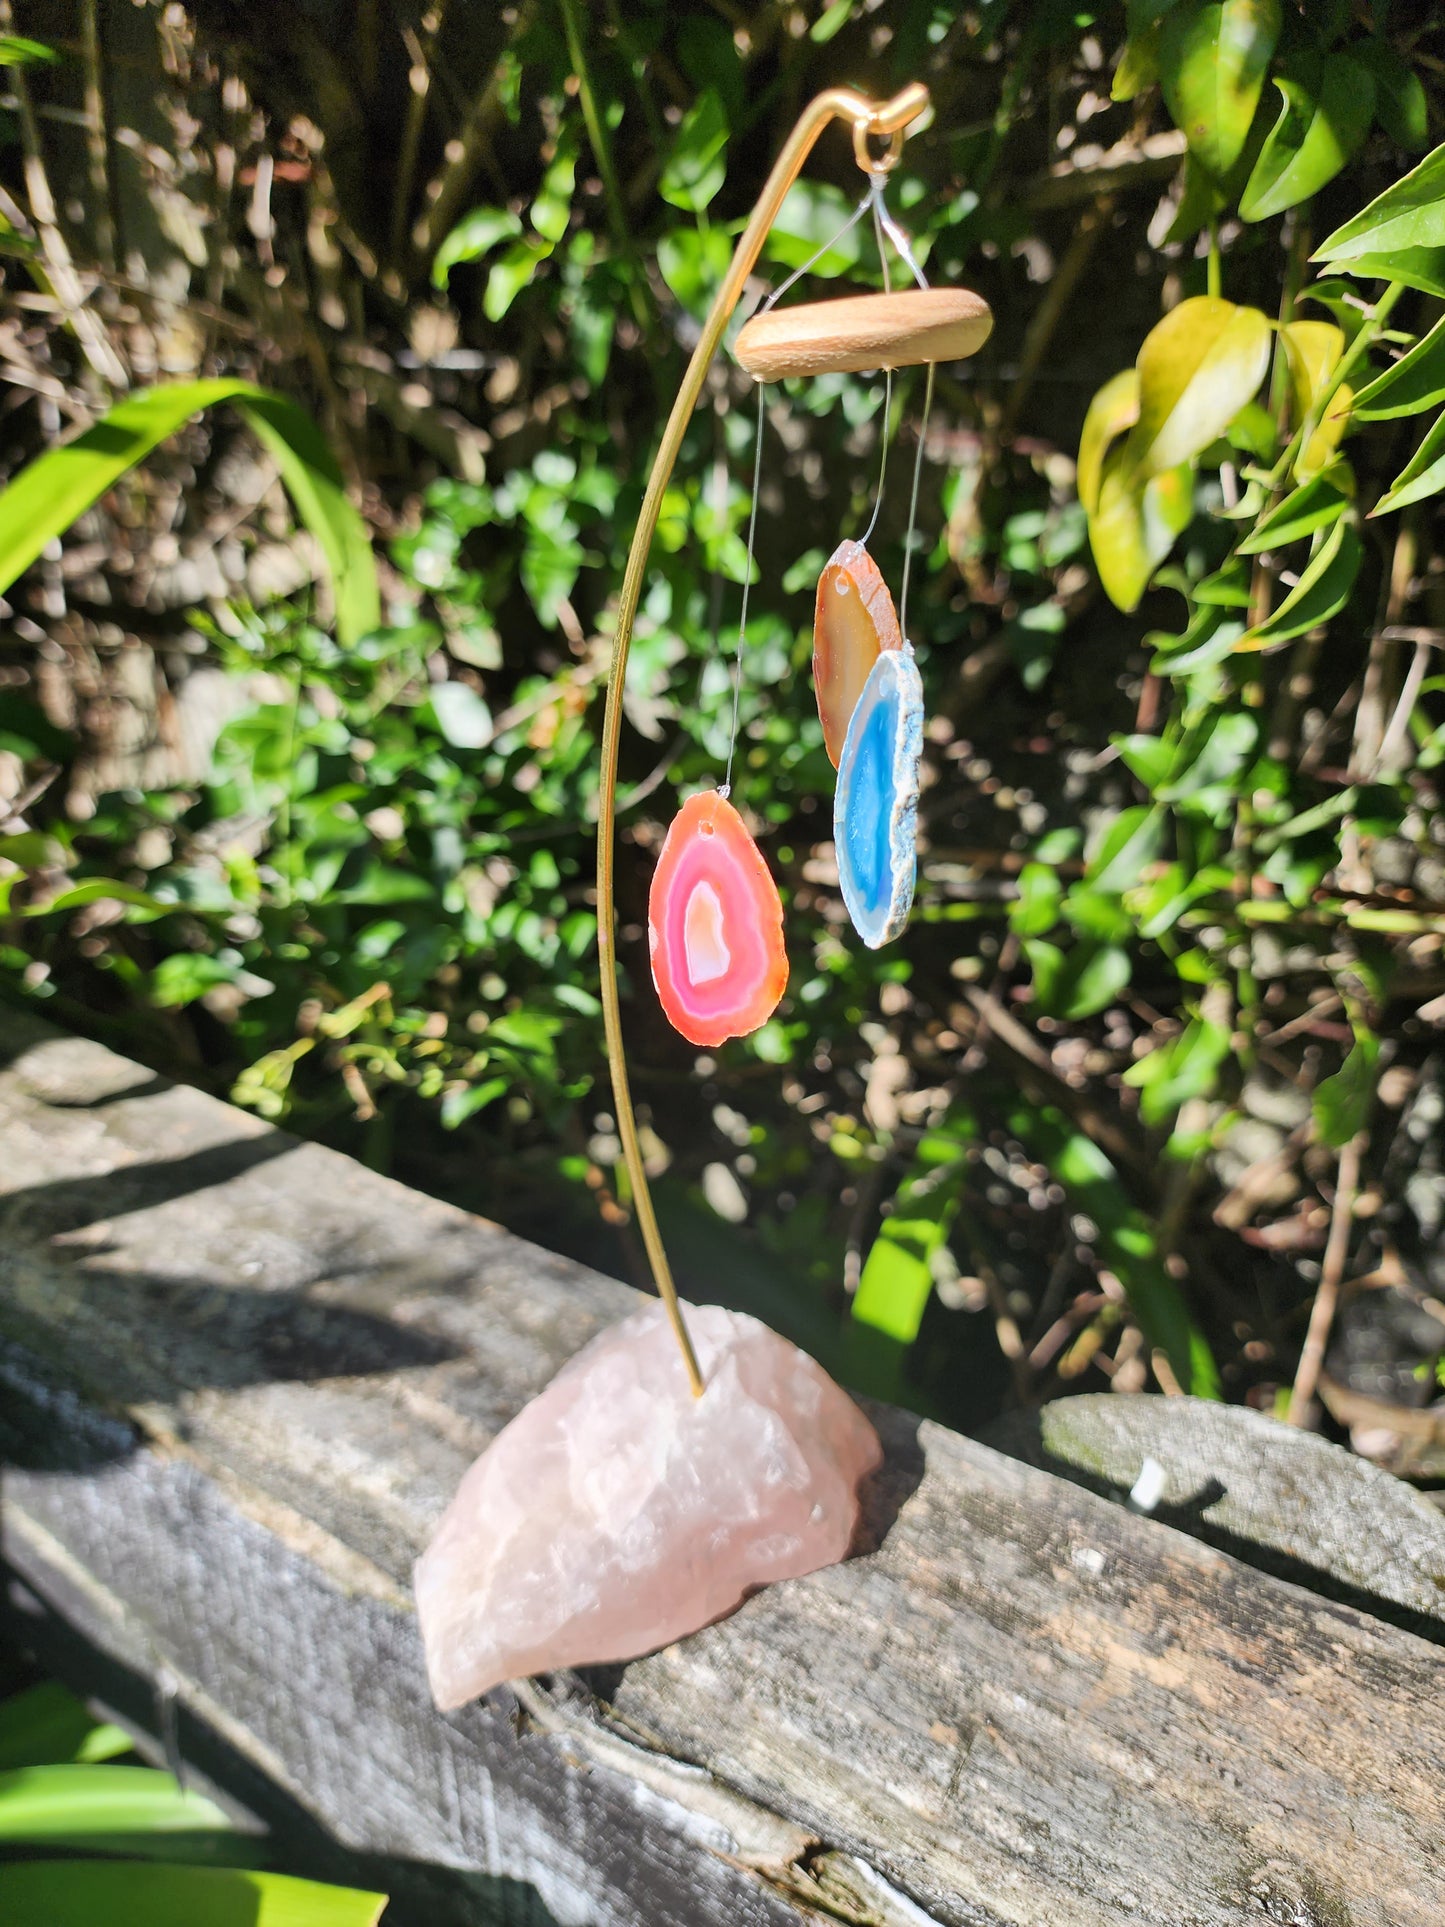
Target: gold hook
[{"x": 876, "y": 164}]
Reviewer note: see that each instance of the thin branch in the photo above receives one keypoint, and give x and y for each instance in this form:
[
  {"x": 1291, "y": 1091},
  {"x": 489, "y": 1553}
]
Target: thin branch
[{"x": 1332, "y": 1270}]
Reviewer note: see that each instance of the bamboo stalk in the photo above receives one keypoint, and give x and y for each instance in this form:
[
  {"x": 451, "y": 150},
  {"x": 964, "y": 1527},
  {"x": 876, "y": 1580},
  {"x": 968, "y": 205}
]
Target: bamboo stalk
[{"x": 838, "y": 103}]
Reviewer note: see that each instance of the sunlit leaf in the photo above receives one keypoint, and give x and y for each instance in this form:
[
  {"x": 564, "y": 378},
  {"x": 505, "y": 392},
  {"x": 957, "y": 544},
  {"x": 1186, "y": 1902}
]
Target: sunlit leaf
[
  {"x": 1422, "y": 476},
  {"x": 1321, "y": 592},
  {"x": 95, "y": 1805},
  {"x": 1185, "y": 1068},
  {"x": 897, "y": 1279},
  {"x": 1037, "y": 907},
  {"x": 1212, "y": 60},
  {"x": 1408, "y": 217},
  {"x": 695, "y": 169},
  {"x": 693, "y": 261},
  {"x": 473, "y": 236},
  {"x": 1313, "y": 350},
  {"x": 184, "y": 976},
  {"x": 812, "y": 213},
  {"x": 1325, "y": 116},
  {"x": 17, "y": 51},
  {"x": 1135, "y": 526},
  {"x": 1197, "y": 369},
  {"x": 1112, "y": 412},
  {"x": 1341, "y": 1103},
  {"x": 1415, "y": 382},
  {"x": 57, "y": 487},
  {"x": 1314, "y": 505},
  {"x": 81, "y": 1893},
  {"x": 461, "y": 715},
  {"x": 511, "y": 272},
  {"x": 1129, "y": 845}
]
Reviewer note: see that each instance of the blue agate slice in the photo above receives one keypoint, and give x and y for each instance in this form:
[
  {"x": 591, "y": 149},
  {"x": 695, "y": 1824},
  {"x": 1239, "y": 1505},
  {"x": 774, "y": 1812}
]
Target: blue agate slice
[{"x": 875, "y": 806}]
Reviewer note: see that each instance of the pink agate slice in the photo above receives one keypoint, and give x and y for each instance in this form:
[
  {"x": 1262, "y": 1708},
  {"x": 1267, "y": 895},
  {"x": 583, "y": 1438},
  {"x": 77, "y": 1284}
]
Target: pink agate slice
[
  {"x": 715, "y": 925},
  {"x": 617, "y": 1512}
]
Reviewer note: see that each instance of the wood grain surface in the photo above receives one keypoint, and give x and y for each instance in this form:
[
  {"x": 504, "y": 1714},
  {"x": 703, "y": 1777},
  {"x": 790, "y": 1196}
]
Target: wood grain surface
[
  {"x": 852, "y": 332},
  {"x": 239, "y": 1378}
]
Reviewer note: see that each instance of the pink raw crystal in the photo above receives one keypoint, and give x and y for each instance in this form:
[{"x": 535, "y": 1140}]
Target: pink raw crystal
[{"x": 617, "y": 1512}]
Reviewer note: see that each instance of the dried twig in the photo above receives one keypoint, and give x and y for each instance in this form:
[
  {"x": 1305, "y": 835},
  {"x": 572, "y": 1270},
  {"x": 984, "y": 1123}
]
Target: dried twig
[{"x": 1332, "y": 1270}]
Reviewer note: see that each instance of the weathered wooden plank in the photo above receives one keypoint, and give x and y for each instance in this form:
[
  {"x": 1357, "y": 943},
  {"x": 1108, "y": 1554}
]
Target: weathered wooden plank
[{"x": 1026, "y": 1705}]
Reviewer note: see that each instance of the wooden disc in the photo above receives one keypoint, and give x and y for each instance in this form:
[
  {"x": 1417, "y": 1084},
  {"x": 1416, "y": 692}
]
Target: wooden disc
[{"x": 859, "y": 331}]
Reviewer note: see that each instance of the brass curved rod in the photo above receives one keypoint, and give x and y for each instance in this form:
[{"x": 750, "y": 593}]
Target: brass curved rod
[{"x": 866, "y": 117}]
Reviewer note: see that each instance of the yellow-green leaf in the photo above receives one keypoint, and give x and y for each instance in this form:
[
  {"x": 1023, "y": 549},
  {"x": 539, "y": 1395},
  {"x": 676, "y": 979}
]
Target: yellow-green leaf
[
  {"x": 1322, "y": 122},
  {"x": 1197, "y": 369},
  {"x": 1112, "y": 412},
  {"x": 1135, "y": 525},
  {"x": 1312, "y": 350},
  {"x": 1321, "y": 592},
  {"x": 1212, "y": 60},
  {"x": 1138, "y": 66},
  {"x": 78, "y": 1893}
]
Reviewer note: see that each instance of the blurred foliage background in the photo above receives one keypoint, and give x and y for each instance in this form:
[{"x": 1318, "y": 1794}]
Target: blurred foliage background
[{"x": 1150, "y": 1092}]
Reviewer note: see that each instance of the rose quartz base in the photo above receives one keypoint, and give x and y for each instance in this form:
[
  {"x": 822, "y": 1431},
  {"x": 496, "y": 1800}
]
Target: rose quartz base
[{"x": 617, "y": 1512}]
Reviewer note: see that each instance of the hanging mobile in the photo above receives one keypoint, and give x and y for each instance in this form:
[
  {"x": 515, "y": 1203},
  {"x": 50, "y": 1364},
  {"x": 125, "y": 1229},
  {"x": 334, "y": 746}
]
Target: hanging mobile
[{"x": 869, "y": 694}]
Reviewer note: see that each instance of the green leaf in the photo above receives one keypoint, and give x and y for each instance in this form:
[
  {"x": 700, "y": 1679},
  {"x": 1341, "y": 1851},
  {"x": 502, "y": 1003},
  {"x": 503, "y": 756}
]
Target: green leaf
[
  {"x": 383, "y": 883},
  {"x": 1149, "y": 757},
  {"x": 1185, "y": 1068},
  {"x": 696, "y": 168},
  {"x": 49, "y": 494},
  {"x": 1423, "y": 475},
  {"x": 1135, "y": 527},
  {"x": 1138, "y": 67},
  {"x": 17, "y": 51},
  {"x": 511, "y": 272},
  {"x": 97, "y": 1806},
  {"x": 1422, "y": 268},
  {"x": 1112, "y": 412},
  {"x": 461, "y": 715},
  {"x": 473, "y": 236},
  {"x": 832, "y": 21},
  {"x": 71, "y": 1893},
  {"x": 897, "y": 1279},
  {"x": 459, "y": 1105},
  {"x": 693, "y": 262},
  {"x": 1318, "y": 129},
  {"x": 1197, "y": 369},
  {"x": 48, "y": 1726},
  {"x": 180, "y": 979},
  {"x": 1400, "y": 105},
  {"x": 1316, "y": 504},
  {"x": 1079, "y": 982},
  {"x": 1341, "y": 1103},
  {"x": 1212, "y": 60},
  {"x": 1321, "y": 592},
  {"x": 1126, "y": 849},
  {"x": 1407, "y": 217},
  {"x": 812, "y": 213},
  {"x": 1415, "y": 382},
  {"x": 1037, "y": 908},
  {"x": 100, "y": 890}
]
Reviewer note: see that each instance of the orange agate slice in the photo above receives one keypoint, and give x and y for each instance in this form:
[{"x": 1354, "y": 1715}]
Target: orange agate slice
[
  {"x": 715, "y": 925},
  {"x": 854, "y": 621}
]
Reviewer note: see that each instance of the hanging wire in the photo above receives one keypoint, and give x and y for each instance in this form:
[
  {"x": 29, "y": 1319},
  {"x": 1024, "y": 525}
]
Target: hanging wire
[
  {"x": 913, "y": 498},
  {"x": 727, "y": 782}
]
